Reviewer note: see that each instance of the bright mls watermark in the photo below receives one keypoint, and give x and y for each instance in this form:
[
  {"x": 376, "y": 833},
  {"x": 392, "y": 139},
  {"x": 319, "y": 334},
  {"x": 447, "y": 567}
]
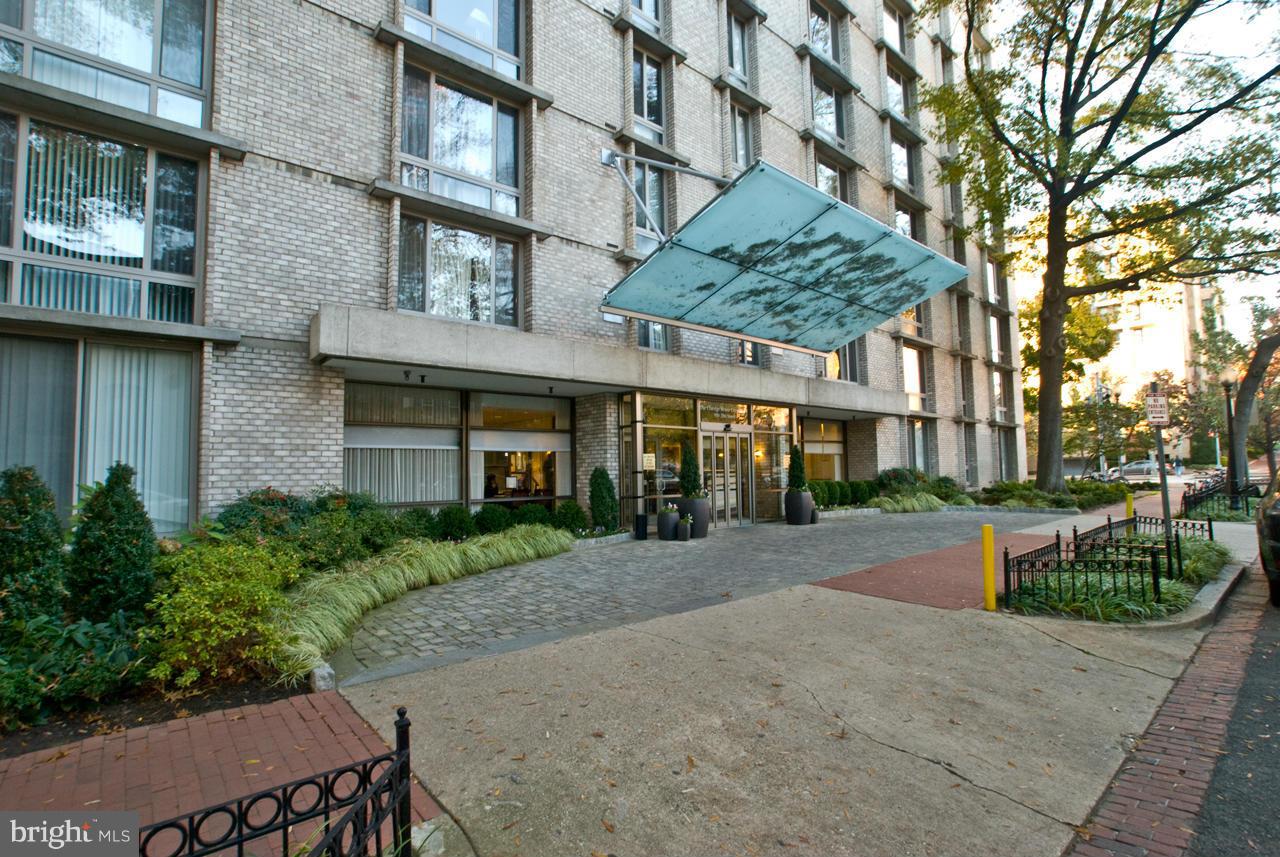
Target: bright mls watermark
[{"x": 78, "y": 834}]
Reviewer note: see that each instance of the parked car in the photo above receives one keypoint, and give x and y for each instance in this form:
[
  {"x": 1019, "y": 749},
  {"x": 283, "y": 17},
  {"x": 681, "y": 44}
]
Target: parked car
[
  {"x": 1268, "y": 523},
  {"x": 1136, "y": 471}
]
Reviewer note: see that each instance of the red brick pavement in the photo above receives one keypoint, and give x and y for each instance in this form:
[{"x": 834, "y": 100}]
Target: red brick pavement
[
  {"x": 168, "y": 769},
  {"x": 950, "y": 578},
  {"x": 1151, "y": 806}
]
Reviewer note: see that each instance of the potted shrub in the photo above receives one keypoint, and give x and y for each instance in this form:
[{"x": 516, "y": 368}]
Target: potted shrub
[
  {"x": 693, "y": 503},
  {"x": 798, "y": 501},
  {"x": 683, "y": 528},
  {"x": 668, "y": 517}
]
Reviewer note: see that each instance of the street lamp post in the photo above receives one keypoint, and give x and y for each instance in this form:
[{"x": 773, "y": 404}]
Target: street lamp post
[{"x": 1228, "y": 378}]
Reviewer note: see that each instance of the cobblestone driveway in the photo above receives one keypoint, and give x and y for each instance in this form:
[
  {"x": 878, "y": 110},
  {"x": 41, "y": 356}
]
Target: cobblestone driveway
[{"x": 600, "y": 587}]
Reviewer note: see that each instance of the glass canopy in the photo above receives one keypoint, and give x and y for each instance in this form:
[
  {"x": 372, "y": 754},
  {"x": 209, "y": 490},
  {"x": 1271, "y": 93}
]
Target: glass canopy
[{"x": 775, "y": 260}]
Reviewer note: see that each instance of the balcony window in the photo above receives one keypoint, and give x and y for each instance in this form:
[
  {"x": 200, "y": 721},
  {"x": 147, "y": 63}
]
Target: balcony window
[
  {"x": 646, "y": 83},
  {"x": 742, "y": 148},
  {"x": 822, "y": 31},
  {"x": 848, "y": 362},
  {"x": 738, "y": 47},
  {"x": 652, "y": 335},
  {"x": 484, "y": 31},
  {"x": 895, "y": 30},
  {"x": 902, "y": 157},
  {"x": 899, "y": 93},
  {"x": 651, "y": 188},
  {"x": 459, "y": 143},
  {"x": 457, "y": 273},
  {"x": 914, "y": 378},
  {"x": 103, "y": 227},
  {"x": 145, "y": 55},
  {"x": 749, "y": 353},
  {"x": 833, "y": 181},
  {"x": 827, "y": 115}
]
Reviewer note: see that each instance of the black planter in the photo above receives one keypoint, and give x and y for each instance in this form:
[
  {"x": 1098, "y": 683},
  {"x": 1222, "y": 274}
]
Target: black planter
[
  {"x": 799, "y": 507},
  {"x": 667, "y": 525},
  {"x": 698, "y": 508},
  {"x": 682, "y": 531},
  {"x": 642, "y": 527}
]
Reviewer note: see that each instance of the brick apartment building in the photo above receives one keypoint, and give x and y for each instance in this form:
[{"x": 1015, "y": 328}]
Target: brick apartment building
[{"x": 365, "y": 242}]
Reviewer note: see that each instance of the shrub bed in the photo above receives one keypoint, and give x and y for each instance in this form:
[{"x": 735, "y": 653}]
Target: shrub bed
[{"x": 1106, "y": 601}]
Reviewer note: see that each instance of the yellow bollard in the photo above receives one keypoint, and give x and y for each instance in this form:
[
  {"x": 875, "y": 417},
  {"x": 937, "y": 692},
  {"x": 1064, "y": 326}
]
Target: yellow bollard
[
  {"x": 1128, "y": 505},
  {"x": 989, "y": 566}
]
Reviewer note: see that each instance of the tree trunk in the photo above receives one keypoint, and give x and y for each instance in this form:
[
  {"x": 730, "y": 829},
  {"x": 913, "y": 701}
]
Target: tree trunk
[
  {"x": 1271, "y": 446},
  {"x": 1053, "y": 315},
  {"x": 1246, "y": 396}
]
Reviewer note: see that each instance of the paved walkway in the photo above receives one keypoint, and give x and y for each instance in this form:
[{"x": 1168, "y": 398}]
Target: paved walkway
[
  {"x": 1151, "y": 807},
  {"x": 167, "y": 769},
  {"x": 595, "y": 588}
]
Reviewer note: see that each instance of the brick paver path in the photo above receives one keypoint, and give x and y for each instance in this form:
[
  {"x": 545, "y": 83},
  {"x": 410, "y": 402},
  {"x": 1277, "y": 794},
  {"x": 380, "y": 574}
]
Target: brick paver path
[
  {"x": 950, "y": 578},
  {"x": 168, "y": 769},
  {"x": 600, "y": 587},
  {"x": 1150, "y": 808}
]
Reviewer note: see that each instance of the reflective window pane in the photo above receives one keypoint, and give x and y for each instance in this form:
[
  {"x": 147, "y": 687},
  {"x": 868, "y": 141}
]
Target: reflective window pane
[
  {"x": 508, "y": 146},
  {"x": 37, "y": 411},
  {"x": 411, "y": 291},
  {"x": 509, "y": 26},
  {"x": 461, "y": 190},
  {"x": 470, "y": 18},
  {"x": 461, "y": 273},
  {"x": 11, "y": 13},
  {"x": 117, "y": 30},
  {"x": 80, "y": 291},
  {"x": 8, "y": 162},
  {"x": 182, "y": 41},
  {"x": 504, "y": 285},
  {"x": 824, "y": 109},
  {"x": 820, "y": 28},
  {"x": 667, "y": 410},
  {"x": 177, "y": 107},
  {"x": 416, "y": 111},
  {"x": 463, "y": 131},
  {"x": 173, "y": 230},
  {"x": 93, "y": 82},
  {"x": 171, "y": 302},
  {"x": 10, "y": 56}
]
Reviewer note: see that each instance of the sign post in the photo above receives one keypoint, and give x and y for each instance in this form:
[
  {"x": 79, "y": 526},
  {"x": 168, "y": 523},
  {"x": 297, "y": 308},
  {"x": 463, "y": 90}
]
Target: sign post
[{"x": 1158, "y": 418}]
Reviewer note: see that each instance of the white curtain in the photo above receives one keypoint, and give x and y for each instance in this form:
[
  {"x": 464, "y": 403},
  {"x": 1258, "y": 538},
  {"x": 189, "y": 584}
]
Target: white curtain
[
  {"x": 37, "y": 410},
  {"x": 137, "y": 409}
]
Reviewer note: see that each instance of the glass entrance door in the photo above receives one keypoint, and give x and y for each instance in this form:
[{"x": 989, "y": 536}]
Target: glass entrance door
[{"x": 726, "y": 466}]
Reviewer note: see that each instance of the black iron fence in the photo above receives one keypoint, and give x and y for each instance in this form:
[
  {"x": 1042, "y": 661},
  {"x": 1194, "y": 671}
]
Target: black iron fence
[
  {"x": 1211, "y": 497},
  {"x": 358, "y": 809}
]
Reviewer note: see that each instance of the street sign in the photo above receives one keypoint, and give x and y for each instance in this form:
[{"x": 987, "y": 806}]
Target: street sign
[{"x": 1158, "y": 410}]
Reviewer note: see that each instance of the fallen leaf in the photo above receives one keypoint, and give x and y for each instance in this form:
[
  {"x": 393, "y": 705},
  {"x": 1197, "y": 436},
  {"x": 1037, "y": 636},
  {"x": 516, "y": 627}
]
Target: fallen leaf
[
  {"x": 1080, "y": 669},
  {"x": 955, "y": 785},
  {"x": 519, "y": 758},
  {"x": 253, "y": 761},
  {"x": 762, "y": 723},
  {"x": 597, "y": 734},
  {"x": 726, "y": 594},
  {"x": 1084, "y": 833},
  {"x": 713, "y": 818},
  {"x": 1048, "y": 768},
  {"x": 510, "y": 824},
  {"x": 776, "y": 684},
  {"x": 689, "y": 764},
  {"x": 1011, "y": 764},
  {"x": 606, "y": 824}
]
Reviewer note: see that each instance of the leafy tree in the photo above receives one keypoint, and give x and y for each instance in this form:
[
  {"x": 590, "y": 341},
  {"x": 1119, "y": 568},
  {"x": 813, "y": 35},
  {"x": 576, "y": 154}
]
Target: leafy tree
[
  {"x": 1087, "y": 338},
  {"x": 603, "y": 500},
  {"x": 113, "y": 550},
  {"x": 30, "y": 548},
  {"x": 1147, "y": 155}
]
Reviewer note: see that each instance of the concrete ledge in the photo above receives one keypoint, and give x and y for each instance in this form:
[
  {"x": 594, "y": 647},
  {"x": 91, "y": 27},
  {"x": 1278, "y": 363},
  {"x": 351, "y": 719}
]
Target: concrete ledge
[
  {"x": 834, "y": 514},
  {"x": 1017, "y": 510},
  {"x": 1208, "y": 603},
  {"x": 602, "y": 540},
  {"x": 88, "y": 322}
]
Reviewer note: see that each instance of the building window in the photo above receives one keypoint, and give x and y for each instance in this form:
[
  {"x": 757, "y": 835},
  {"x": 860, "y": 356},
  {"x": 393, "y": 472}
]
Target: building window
[
  {"x": 827, "y": 115},
  {"x": 899, "y": 93},
  {"x": 971, "y": 454},
  {"x": 1007, "y": 451},
  {"x": 823, "y": 448},
  {"x": 738, "y": 62},
  {"x": 457, "y": 273},
  {"x": 895, "y": 30},
  {"x": 998, "y": 339},
  {"x": 483, "y": 31},
  {"x": 111, "y": 403},
  {"x": 919, "y": 442},
  {"x": 967, "y": 406},
  {"x": 991, "y": 277},
  {"x": 646, "y": 82},
  {"x": 915, "y": 321},
  {"x": 742, "y": 149},
  {"x": 903, "y": 163},
  {"x": 103, "y": 226},
  {"x": 907, "y": 221},
  {"x": 833, "y": 181},
  {"x": 144, "y": 55},
  {"x": 650, "y": 185},
  {"x": 964, "y": 324},
  {"x": 652, "y": 335},
  {"x": 749, "y": 353},
  {"x": 914, "y": 378},
  {"x": 648, "y": 14},
  {"x": 848, "y": 362},
  {"x": 822, "y": 31},
  {"x": 459, "y": 143},
  {"x": 1001, "y": 391}
]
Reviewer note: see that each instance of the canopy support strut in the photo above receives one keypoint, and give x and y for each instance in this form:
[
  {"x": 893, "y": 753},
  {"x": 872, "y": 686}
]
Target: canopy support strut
[{"x": 614, "y": 159}]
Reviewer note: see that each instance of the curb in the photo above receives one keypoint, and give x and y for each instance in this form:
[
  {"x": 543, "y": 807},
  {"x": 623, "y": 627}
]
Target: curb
[
  {"x": 602, "y": 540},
  {"x": 835, "y": 514},
  {"x": 1020, "y": 510},
  {"x": 1206, "y": 606}
]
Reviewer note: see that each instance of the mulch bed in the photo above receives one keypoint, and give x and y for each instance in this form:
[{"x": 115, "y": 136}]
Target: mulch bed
[{"x": 138, "y": 710}]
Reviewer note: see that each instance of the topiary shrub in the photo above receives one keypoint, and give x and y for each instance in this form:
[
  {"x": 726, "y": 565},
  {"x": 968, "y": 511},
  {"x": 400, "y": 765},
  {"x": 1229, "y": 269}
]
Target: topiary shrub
[
  {"x": 863, "y": 491},
  {"x": 418, "y": 523},
  {"x": 493, "y": 518},
  {"x": 533, "y": 513},
  {"x": 328, "y": 540},
  {"x": 844, "y": 493},
  {"x": 570, "y": 516},
  {"x": 113, "y": 549},
  {"x": 604, "y": 499},
  {"x": 30, "y": 548},
  {"x": 690, "y": 474},
  {"x": 795, "y": 471},
  {"x": 377, "y": 528},
  {"x": 267, "y": 511},
  {"x": 455, "y": 524},
  {"x": 819, "y": 491},
  {"x": 217, "y": 614}
]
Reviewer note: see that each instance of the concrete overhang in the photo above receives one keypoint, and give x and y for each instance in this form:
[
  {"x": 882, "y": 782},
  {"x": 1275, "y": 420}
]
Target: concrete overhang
[
  {"x": 84, "y": 322},
  {"x": 42, "y": 99},
  {"x": 343, "y": 335},
  {"x": 427, "y": 204}
]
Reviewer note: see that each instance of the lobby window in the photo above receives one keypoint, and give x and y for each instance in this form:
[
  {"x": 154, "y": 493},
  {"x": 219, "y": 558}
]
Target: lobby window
[
  {"x": 919, "y": 442},
  {"x": 648, "y": 14},
  {"x": 833, "y": 181},
  {"x": 915, "y": 378},
  {"x": 899, "y": 93},
  {"x": 484, "y": 31},
  {"x": 822, "y": 31},
  {"x": 110, "y": 402},
  {"x": 749, "y": 352},
  {"x": 738, "y": 62},
  {"x": 102, "y": 226},
  {"x": 457, "y": 273},
  {"x": 848, "y": 362},
  {"x": 646, "y": 86},
  {"x": 902, "y": 156},
  {"x": 827, "y": 115},
  {"x": 652, "y": 335},
  {"x": 144, "y": 55},
  {"x": 742, "y": 148},
  {"x": 823, "y": 448},
  {"x": 459, "y": 143},
  {"x": 403, "y": 444},
  {"x": 895, "y": 29},
  {"x": 650, "y": 185},
  {"x": 519, "y": 448}
]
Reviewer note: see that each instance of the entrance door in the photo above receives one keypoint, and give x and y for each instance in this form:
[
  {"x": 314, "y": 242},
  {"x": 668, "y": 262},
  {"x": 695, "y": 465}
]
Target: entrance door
[{"x": 726, "y": 464}]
